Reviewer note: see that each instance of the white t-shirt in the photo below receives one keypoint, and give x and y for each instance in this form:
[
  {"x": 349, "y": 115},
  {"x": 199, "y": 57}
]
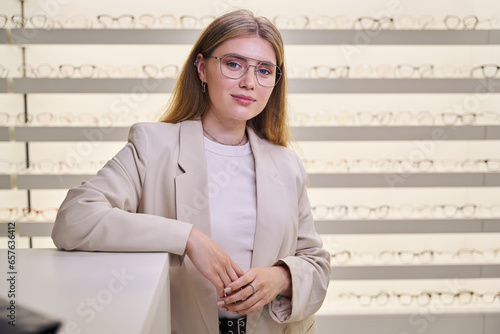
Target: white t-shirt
[{"x": 233, "y": 201}]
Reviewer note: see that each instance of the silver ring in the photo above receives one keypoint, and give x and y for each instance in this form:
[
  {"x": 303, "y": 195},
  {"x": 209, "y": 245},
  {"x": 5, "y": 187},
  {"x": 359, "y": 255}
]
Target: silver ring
[{"x": 254, "y": 291}]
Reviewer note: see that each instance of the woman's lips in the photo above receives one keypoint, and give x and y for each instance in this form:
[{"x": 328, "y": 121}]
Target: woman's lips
[{"x": 243, "y": 99}]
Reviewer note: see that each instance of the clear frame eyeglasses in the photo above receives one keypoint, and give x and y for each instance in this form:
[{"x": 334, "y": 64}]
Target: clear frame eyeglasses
[{"x": 235, "y": 66}]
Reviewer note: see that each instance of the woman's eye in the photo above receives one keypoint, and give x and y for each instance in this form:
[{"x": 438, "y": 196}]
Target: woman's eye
[
  {"x": 233, "y": 65},
  {"x": 264, "y": 71}
]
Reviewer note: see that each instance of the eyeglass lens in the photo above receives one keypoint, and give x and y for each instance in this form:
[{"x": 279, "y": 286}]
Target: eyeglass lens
[{"x": 235, "y": 67}]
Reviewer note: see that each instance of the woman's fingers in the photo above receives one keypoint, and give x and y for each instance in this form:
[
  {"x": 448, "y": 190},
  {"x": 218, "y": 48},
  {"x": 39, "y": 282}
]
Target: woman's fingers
[{"x": 211, "y": 261}]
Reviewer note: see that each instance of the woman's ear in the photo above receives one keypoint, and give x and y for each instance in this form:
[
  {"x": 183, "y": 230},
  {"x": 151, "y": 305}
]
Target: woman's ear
[{"x": 200, "y": 66}]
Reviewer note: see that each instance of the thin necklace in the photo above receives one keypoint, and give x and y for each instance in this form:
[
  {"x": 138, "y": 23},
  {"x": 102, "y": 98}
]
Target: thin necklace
[{"x": 215, "y": 140}]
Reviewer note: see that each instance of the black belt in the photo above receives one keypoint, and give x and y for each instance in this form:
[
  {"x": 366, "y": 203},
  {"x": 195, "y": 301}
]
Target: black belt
[{"x": 232, "y": 326}]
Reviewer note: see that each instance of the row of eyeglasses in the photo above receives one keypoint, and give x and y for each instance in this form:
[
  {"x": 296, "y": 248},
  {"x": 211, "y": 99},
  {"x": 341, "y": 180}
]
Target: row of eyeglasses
[
  {"x": 423, "y": 298},
  {"x": 406, "y": 211},
  {"x": 365, "y": 165},
  {"x": 74, "y": 119},
  {"x": 94, "y": 71},
  {"x": 321, "y": 117},
  {"x": 170, "y": 21},
  {"x": 386, "y": 117},
  {"x": 50, "y": 166},
  {"x": 400, "y": 71},
  {"x": 28, "y": 213},
  {"x": 105, "y": 21},
  {"x": 462, "y": 255}
]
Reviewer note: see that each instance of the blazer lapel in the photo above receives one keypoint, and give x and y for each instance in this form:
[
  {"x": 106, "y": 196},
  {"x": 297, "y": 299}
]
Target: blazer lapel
[
  {"x": 193, "y": 207},
  {"x": 269, "y": 233}
]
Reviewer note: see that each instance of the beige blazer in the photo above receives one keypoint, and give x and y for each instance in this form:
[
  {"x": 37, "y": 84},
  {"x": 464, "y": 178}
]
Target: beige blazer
[{"x": 148, "y": 197}]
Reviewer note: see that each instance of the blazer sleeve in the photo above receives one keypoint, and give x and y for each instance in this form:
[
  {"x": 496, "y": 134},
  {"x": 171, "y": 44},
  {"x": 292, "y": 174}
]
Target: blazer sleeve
[
  {"x": 101, "y": 214},
  {"x": 309, "y": 267}
]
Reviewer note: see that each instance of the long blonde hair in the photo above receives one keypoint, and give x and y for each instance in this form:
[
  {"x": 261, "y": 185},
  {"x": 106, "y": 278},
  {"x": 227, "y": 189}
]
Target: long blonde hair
[{"x": 188, "y": 102}]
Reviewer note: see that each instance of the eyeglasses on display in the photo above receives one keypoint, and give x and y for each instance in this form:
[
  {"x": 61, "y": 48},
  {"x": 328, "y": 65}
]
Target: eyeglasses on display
[
  {"x": 423, "y": 298},
  {"x": 371, "y": 23}
]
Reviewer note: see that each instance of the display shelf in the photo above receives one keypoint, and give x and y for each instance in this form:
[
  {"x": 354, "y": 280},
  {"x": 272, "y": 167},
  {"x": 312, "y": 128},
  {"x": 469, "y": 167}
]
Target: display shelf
[
  {"x": 428, "y": 321},
  {"x": 391, "y": 226},
  {"x": 296, "y": 86},
  {"x": 5, "y": 181},
  {"x": 392, "y": 86},
  {"x": 374, "y": 272},
  {"x": 362, "y": 227},
  {"x": 376, "y": 133},
  {"x": 300, "y": 133},
  {"x": 106, "y": 85},
  {"x": 290, "y": 36},
  {"x": 4, "y": 85},
  {"x": 4, "y": 133},
  {"x": 35, "y": 229},
  {"x": 3, "y": 36},
  {"x": 76, "y": 133},
  {"x": 369, "y": 180},
  {"x": 52, "y": 181}
]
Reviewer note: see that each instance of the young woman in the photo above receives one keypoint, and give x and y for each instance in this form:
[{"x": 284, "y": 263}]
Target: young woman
[{"x": 214, "y": 185}]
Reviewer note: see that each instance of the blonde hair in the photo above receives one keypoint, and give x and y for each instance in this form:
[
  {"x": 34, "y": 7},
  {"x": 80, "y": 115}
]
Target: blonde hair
[{"x": 188, "y": 102}]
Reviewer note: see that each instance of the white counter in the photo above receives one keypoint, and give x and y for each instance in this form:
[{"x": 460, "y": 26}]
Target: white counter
[{"x": 94, "y": 292}]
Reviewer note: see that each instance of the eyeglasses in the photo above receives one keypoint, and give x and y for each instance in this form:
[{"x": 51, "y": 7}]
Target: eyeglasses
[
  {"x": 235, "y": 66},
  {"x": 364, "y": 212},
  {"x": 423, "y": 298},
  {"x": 408, "y": 71},
  {"x": 85, "y": 70},
  {"x": 123, "y": 21},
  {"x": 7, "y": 213},
  {"x": 454, "y": 22},
  {"x": 367, "y": 117},
  {"x": 452, "y": 210},
  {"x": 425, "y": 256},
  {"x": 189, "y": 21},
  {"x": 451, "y": 118},
  {"x": 323, "y": 71},
  {"x": 297, "y": 22},
  {"x": 488, "y": 70},
  {"x": 321, "y": 211},
  {"x": 165, "y": 20},
  {"x": 32, "y": 214},
  {"x": 322, "y": 165},
  {"x": 366, "y": 22},
  {"x": 330, "y": 22},
  {"x": 167, "y": 71}
]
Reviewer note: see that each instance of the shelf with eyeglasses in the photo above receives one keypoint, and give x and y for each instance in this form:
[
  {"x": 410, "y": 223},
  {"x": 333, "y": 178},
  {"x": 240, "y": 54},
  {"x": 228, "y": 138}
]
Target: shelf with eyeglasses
[
  {"x": 315, "y": 133},
  {"x": 438, "y": 297},
  {"x": 31, "y": 36},
  {"x": 408, "y": 179},
  {"x": 66, "y": 181},
  {"x": 420, "y": 271},
  {"x": 296, "y": 86},
  {"x": 403, "y": 226}
]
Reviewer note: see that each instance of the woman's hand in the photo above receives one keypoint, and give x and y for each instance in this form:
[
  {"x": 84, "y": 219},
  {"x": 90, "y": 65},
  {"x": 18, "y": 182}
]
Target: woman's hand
[
  {"x": 211, "y": 261},
  {"x": 267, "y": 282}
]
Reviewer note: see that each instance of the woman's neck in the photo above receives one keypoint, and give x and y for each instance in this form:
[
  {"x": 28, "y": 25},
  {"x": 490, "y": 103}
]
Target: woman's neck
[{"x": 226, "y": 133}]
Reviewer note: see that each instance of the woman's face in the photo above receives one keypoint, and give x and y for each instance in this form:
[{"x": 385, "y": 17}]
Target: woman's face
[{"x": 236, "y": 100}]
